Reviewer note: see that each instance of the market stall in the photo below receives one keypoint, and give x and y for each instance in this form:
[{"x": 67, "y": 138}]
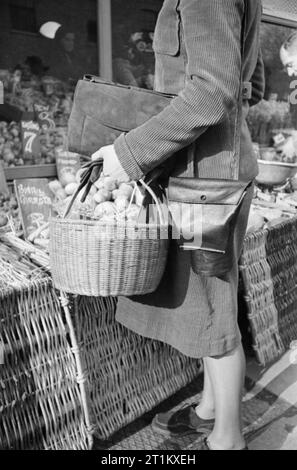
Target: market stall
[{"x": 69, "y": 369}]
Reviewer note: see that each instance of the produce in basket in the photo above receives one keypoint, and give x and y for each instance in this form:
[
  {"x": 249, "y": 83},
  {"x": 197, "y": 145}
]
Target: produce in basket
[{"x": 108, "y": 200}]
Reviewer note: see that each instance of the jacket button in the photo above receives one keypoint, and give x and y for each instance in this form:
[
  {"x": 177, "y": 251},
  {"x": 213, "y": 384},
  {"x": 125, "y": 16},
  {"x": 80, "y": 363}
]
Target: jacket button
[{"x": 203, "y": 197}]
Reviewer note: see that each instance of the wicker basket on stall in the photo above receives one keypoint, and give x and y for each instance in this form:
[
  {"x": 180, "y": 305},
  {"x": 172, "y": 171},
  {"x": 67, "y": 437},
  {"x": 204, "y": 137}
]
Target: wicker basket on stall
[{"x": 96, "y": 258}]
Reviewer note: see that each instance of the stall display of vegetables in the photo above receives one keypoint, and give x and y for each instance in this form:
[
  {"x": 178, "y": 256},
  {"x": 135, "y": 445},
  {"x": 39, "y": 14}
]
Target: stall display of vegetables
[
  {"x": 9, "y": 212},
  {"x": 11, "y": 148},
  {"x": 284, "y": 148},
  {"x": 267, "y": 116},
  {"x": 54, "y": 98},
  {"x": 40, "y": 237},
  {"x": 49, "y": 92}
]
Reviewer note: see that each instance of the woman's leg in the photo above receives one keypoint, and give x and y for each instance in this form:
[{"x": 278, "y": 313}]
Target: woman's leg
[
  {"x": 206, "y": 407},
  {"x": 227, "y": 378}
]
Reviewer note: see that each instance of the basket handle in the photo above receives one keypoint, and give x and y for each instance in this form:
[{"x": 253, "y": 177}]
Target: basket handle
[
  {"x": 155, "y": 199},
  {"x": 86, "y": 181}
]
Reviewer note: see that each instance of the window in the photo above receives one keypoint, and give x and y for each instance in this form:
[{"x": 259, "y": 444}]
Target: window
[
  {"x": 92, "y": 31},
  {"x": 23, "y": 16},
  {"x": 149, "y": 18},
  {"x": 277, "y": 113}
]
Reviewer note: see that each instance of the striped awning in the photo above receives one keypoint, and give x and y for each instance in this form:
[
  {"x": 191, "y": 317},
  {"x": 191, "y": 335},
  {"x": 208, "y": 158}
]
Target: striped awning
[{"x": 282, "y": 9}]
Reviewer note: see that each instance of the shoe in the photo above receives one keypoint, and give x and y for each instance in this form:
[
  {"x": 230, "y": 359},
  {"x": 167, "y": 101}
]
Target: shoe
[
  {"x": 205, "y": 445},
  {"x": 181, "y": 422}
]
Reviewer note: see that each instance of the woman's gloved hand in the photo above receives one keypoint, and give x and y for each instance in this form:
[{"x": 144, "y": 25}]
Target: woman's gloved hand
[{"x": 111, "y": 164}]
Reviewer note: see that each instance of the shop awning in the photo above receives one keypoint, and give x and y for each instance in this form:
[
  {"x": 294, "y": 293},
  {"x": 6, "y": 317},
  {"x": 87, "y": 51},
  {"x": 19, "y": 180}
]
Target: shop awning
[{"x": 281, "y": 9}]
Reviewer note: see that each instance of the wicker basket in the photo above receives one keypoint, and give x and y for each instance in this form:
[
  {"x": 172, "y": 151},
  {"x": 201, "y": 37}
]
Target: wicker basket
[
  {"x": 268, "y": 267},
  {"x": 99, "y": 259},
  {"x": 96, "y": 258}
]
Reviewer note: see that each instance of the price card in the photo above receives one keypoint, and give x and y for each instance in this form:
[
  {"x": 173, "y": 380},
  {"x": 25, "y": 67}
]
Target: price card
[
  {"x": 3, "y": 182},
  {"x": 44, "y": 117},
  {"x": 30, "y": 139},
  {"x": 35, "y": 202},
  {"x": 68, "y": 163}
]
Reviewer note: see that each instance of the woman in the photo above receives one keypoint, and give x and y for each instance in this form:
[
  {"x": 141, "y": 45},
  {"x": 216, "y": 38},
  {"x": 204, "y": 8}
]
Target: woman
[
  {"x": 66, "y": 62},
  {"x": 204, "y": 52}
]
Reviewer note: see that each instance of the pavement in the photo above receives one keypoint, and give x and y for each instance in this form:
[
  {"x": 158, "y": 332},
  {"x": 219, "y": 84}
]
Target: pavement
[
  {"x": 269, "y": 412},
  {"x": 276, "y": 387}
]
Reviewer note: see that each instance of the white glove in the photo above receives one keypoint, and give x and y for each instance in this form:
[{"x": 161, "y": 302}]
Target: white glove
[{"x": 111, "y": 164}]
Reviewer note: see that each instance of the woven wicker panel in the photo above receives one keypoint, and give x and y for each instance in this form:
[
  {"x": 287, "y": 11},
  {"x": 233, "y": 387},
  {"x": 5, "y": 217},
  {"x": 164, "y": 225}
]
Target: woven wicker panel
[
  {"x": 40, "y": 402},
  {"x": 281, "y": 8},
  {"x": 268, "y": 268},
  {"x": 127, "y": 374}
]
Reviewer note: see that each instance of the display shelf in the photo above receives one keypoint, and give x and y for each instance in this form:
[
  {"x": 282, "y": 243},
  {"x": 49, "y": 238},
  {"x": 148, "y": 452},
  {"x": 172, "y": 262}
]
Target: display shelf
[{"x": 31, "y": 171}]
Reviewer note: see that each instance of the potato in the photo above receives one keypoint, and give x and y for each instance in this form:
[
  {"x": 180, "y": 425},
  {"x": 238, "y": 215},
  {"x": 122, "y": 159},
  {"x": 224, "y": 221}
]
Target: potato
[
  {"x": 99, "y": 198},
  {"x": 71, "y": 188},
  {"x": 109, "y": 183},
  {"x": 99, "y": 184},
  {"x": 126, "y": 189},
  {"x": 61, "y": 194},
  {"x": 126, "y": 185},
  {"x": 108, "y": 218},
  {"x": 121, "y": 203},
  {"x": 115, "y": 194},
  {"x": 55, "y": 186},
  {"x": 68, "y": 178},
  {"x": 106, "y": 194},
  {"x": 107, "y": 208},
  {"x": 102, "y": 196}
]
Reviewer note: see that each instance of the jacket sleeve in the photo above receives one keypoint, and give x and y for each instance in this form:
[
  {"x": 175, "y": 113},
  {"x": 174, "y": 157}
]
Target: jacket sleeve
[
  {"x": 258, "y": 82},
  {"x": 212, "y": 34}
]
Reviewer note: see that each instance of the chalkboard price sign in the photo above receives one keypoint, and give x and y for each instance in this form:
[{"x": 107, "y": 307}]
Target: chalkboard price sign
[
  {"x": 35, "y": 202},
  {"x": 31, "y": 141},
  {"x": 44, "y": 117}
]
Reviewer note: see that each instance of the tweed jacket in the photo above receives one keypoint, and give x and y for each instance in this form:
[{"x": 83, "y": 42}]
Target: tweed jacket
[{"x": 203, "y": 54}]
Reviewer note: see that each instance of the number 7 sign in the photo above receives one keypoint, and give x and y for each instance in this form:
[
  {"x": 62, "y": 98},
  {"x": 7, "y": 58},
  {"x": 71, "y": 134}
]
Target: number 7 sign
[{"x": 31, "y": 141}]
